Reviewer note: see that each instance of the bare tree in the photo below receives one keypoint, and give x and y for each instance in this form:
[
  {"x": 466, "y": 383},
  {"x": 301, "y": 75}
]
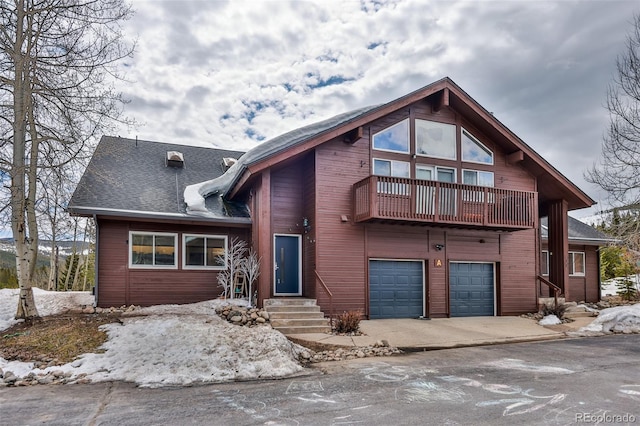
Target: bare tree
[
  {"x": 250, "y": 267},
  {"x": 58, "y": 61},
  {"x": 618, "y": 169}
]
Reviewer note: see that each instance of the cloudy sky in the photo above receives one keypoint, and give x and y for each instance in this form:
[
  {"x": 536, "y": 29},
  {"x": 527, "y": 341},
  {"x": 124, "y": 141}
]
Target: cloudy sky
[{"x": 233, "y": 74}]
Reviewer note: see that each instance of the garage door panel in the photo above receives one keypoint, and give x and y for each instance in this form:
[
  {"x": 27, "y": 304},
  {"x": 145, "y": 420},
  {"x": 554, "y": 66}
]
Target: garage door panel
[
  {"x": 395, "y": 289},
  {"x": 471, "y": 288}
]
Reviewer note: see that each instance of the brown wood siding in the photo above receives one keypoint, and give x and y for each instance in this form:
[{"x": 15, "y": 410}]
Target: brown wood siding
[
  {"x": 308, "y": 242},
  {"x": 518, "y": 272},
  {"x": 344, "y": 249},
  {"x": 113, "y": 263},
  {"x": 287, "y": 199},
  {"x": 340, "y": 255},
  {"x": 119, "y": 285},
  {"x": 585, "y": 288},
  {"x": 261, "y": 233},
  {"x": 582, "y": 289}
]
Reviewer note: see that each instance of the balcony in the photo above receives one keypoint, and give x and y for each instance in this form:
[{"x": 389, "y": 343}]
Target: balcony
[{"x": 383, "y": 198}]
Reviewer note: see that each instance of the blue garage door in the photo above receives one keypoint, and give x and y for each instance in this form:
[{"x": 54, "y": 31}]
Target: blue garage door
[
  {"x": 395, "y": 289},
  {"x": 471, "y": 289}
]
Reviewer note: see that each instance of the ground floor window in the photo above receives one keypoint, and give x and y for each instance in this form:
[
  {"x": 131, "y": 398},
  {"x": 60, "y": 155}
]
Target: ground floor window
[
  {"x": 576, "y": 263},
  {"x": 204, "y": 251},
  {"x": 153, "y": 249},
  {"x": 544, "y": 262}
]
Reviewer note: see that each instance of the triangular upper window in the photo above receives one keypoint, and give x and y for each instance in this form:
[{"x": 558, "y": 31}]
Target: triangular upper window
[{"x": 474, "y": 151}]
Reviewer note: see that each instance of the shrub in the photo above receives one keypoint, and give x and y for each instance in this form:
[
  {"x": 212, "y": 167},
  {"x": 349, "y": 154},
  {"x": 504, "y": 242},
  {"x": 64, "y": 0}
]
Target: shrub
[
  {"x": 554, "y": 310},
  {"x": 347, "y": 322}
]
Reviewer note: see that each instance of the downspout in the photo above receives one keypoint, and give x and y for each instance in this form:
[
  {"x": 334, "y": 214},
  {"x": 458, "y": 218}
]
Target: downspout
[
  {"x": 95, "y": 264},
  {"x": 599, "y": 278}
]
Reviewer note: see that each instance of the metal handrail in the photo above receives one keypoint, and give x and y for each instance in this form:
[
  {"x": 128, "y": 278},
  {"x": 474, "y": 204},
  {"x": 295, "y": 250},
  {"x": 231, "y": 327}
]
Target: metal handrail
[
  {"x": 556, "y": 290},
  {"x": 326, "y": 289}
]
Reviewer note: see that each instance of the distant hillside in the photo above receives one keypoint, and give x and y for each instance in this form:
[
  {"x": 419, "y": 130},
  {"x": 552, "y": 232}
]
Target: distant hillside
[{"x": 7, "y": 251}]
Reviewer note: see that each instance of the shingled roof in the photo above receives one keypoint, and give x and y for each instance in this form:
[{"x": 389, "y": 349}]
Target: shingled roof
[
  {"x": 579, "y": 232},
  {"x": 131, "y": 178}
]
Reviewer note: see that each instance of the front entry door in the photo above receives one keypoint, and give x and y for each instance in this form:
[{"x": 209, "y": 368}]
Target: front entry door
[{"x": 287, "y": 265}]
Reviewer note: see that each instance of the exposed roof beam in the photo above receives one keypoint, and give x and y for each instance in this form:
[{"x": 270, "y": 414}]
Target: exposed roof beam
[
  {"x": 515, "y": 157},
  {"x": 443, "y": 100},
  {"x": 354, "y": 135}
]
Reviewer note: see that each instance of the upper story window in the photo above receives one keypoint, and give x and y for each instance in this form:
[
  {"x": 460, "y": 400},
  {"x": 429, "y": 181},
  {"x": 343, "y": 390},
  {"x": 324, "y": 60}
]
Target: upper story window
[
  {"x": 477, "y": 177},
  {"x": 204, "y": 251},
  {"x": 474, "y": 151},
  {"x": 153, "y": 250},
  {"x": 391, "y": 168},
  {"x": 394, "y": 138},
  {"x": 435, "y": 139}
]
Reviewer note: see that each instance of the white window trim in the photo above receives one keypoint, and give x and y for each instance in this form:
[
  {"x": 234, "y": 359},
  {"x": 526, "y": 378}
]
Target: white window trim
[
  {"x": 415, "y": 142},
  {"x": 545, "y": 253},
  {"x": 479, "y": 171},
  {"x": 470, "y": 135},
  {"x": 390, "y": 127},
  {"x": 164, "y": 234},
  {"x": 572, "y": 273},
  {"x": 204, "y": 267},
  {"x": 391, "y": 164},
  {"x": 434, "y": 171}
]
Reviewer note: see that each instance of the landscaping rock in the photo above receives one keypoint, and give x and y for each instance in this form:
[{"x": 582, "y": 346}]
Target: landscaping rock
[{"x": 239, "y": 315}]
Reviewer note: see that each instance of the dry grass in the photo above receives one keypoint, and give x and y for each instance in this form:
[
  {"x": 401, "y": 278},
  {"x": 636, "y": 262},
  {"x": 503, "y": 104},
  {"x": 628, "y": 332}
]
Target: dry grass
[{"x": 59, "y": 338}]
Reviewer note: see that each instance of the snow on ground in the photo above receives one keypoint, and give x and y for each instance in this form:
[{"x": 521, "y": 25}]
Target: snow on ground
[
  {"x": 550, "y": 320},
  {"x": 610, "y": 287},
  {"x": 171, "y": 345},
  {"x": 47, "y": 303},
  {"x": 620, "y": 319}
]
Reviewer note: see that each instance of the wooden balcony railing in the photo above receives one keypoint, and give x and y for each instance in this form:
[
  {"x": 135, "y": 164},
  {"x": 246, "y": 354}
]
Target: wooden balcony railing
[{"x": 391, "y": 198}]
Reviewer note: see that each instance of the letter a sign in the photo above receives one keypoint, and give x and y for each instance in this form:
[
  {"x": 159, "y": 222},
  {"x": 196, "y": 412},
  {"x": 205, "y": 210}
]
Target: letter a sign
[{"x": 438, "y": 263}]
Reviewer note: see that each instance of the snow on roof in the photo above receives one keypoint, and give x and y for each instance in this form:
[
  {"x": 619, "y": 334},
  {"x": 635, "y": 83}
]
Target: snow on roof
[{"x": 194, "y": 195}]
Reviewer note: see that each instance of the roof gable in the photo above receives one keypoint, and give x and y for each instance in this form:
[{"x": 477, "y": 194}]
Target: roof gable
[{"x": 444, "y": 93}]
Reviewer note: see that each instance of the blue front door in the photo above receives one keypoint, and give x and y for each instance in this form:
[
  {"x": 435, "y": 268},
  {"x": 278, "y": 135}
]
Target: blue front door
[{"x": 287, "y": 265}]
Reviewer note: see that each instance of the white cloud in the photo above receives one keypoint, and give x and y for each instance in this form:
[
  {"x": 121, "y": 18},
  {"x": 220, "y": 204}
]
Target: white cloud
[{"x": 229, "y": 74}]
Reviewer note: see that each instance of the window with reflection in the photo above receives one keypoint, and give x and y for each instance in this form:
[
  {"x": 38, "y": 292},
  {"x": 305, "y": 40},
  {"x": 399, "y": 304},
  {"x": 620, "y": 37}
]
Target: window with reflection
[
  {"x": 474, "y": 151},
  {"x": 435, "y": 139},
  {"x": 394, "y": 138},
  {"x": 148, "y": 249}
]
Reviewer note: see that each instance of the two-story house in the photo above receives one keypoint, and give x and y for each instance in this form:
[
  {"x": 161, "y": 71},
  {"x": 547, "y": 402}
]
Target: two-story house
[{"x": 423, "y": 206}]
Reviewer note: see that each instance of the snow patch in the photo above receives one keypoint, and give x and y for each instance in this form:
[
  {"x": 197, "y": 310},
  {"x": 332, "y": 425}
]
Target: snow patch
[
  {"x": 620, "y": 319},
  {"x": 166, "y": 345},
  {"x": 550, "y": 320}
]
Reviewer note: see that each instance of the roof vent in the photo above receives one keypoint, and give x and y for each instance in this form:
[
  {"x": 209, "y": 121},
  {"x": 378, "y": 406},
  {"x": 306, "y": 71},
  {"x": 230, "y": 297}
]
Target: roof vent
[
  {"x": 228, "y": 162},
  {"x": 175, "y": 159}
]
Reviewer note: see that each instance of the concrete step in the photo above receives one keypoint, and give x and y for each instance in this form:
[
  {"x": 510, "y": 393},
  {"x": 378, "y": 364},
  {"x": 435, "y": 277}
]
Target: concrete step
[
  {"x": 296, "y": 322},
  {"x": 287, "y": 301},
  {"x": 579, "y": 314},
  {"x": 292, "y": 308},
  {"x": 304, "y": 329},
  {"x": 295, "y": 314}
]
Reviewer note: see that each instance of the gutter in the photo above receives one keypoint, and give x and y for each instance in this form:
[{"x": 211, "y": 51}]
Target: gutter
[{"x": 93, "y": 211}]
